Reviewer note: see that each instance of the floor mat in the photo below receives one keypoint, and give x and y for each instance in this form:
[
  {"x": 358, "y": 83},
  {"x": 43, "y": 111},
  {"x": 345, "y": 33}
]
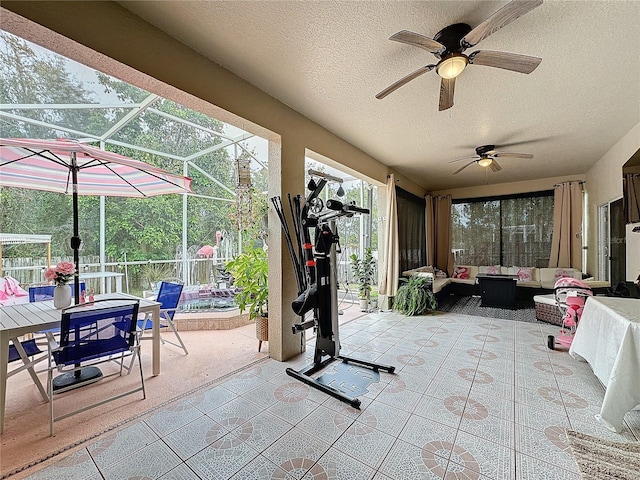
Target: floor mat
[
  {"x": 525, "y": 311},
  {"x": 600, "y": 459}
]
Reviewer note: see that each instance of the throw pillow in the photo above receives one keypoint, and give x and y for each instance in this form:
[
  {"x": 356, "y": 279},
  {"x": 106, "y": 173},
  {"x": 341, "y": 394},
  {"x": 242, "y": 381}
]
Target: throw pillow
[
  {"x": 525, "y": 274},
  {"x": 490, "y": 269},
  {"x": 562, "y": 273},
  {"x": 427, "y": 269},
  {"x": 461, "y": 272}
]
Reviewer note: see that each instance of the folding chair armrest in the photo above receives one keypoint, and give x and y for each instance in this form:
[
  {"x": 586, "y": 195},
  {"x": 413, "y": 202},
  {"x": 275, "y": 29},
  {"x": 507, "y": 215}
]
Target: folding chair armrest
[{"x": 52, "y": 344}]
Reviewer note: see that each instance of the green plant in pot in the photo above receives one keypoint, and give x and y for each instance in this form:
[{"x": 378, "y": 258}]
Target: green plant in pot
[
  {"x": 374, "y": 300},
  {"x": 363, "y": 270},
  {"x": 414, "y": 296},
  {"x": 250, "y": 273}
]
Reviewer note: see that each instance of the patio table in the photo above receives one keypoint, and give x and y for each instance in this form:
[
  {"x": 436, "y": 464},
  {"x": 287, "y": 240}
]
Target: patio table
[
  {"x": 607, "y": 337},
  {"x": 21, "y": 319}
]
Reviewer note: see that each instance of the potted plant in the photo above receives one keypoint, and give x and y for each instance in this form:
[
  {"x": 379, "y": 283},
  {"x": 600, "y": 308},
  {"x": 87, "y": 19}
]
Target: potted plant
[
  {"x": 249, "y": 271},
  {"x": 373, "y": 300},
  {"x": 363, "y": 271},
  {"x": 414, "y": 296}
]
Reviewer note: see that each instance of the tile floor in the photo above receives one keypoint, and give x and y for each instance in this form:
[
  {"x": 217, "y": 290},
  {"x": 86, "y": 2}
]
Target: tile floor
[{"x": 472, "y": 398}]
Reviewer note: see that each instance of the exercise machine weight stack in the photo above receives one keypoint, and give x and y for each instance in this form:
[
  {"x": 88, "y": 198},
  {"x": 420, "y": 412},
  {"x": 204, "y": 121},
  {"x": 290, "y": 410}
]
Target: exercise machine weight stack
[{"x": 316, "y": 275}]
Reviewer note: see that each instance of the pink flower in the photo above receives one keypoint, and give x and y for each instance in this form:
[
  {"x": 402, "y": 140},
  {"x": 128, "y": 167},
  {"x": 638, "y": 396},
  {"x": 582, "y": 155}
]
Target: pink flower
[
  {"x": 61, "y": 274},
  {"x": 50, "y": 274},
  {"x": 66, "y": 268}
]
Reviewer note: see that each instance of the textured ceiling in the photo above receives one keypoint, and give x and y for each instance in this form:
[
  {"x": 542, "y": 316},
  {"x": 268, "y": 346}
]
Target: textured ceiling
[{"x": 328, "y": 59}]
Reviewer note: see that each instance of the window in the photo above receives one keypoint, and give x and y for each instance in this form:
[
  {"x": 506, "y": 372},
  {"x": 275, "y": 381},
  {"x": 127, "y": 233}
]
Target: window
[
  {"x": 411, "y": 230},
  {"x": 513, "y": 230}
]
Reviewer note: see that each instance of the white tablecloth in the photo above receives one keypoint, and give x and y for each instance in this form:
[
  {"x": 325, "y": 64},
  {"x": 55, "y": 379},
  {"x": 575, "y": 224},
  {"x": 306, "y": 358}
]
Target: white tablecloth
[{"x": 608, "y": 337}]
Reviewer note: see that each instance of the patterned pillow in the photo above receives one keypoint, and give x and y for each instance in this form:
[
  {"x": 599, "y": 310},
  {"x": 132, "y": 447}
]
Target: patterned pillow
[
  {"x": 562, "y": 273},
  {"x": 461, "y": 272},
  {"x": 490, "y": 269},
  {"x": 525, "y": 274}
]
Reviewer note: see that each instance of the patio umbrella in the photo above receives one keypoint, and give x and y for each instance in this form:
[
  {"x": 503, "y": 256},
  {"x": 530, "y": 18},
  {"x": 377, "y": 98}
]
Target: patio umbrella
[{"x": 73, "y": 168}]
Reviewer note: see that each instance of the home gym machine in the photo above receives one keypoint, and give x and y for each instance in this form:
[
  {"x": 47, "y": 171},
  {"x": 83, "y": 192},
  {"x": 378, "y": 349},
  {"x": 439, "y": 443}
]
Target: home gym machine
[{"x": 316, "y": 276}]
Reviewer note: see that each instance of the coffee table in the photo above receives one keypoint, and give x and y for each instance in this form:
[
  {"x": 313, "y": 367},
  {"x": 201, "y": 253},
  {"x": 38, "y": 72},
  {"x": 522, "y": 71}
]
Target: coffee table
[{"x": 498, "y": 290}]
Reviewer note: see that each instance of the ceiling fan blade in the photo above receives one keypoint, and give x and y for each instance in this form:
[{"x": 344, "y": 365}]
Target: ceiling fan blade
[
  {"x": 494, "y": 166},
  {"x": 406, "y": 79},
  {"x": 418, "y": 40},
  {"x": 462, "y": 168},
  {"x": 470, "y": 157},
  {"x": 508, "y": 61},
  {"x": 504, "y": 16},
  {"x": 512, "y": 155},
  {"x": 524, "y": 142},
  {"x": 447, "y": 89}
]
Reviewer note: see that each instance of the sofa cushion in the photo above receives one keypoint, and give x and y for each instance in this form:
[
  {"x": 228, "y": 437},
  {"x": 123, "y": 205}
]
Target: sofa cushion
[
  {"x": 597, "y": 283},
  {"x": 490, "y": 269},
  {"x": 529, "y": 283},
  {"x": 440, "y": 283},
  {"x": 549, "y": 276},
  {"x": 423, "y": 269},
  {"x": 466, "y": 281}
]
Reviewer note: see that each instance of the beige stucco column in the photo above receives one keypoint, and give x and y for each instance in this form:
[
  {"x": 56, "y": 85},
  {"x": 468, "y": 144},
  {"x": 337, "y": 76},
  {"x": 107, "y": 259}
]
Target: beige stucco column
[{"x": 286, "y": 175}]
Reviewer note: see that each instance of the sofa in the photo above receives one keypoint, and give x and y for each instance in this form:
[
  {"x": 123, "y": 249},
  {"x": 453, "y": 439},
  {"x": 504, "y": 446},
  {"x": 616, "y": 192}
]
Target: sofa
[{"x": 532, "y": 281}]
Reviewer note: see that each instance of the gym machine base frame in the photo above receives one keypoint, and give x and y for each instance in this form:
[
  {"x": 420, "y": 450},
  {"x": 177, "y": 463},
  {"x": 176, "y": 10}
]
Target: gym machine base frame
[{"x": 304, "y": 376}]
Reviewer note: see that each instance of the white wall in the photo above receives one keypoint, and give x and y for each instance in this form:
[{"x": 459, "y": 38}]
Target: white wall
[{"x": 604, "y": 184}]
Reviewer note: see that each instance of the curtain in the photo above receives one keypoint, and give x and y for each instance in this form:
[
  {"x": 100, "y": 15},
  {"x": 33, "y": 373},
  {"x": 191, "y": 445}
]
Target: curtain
[
  {"x": 390, "y": 255},
  {"x": 429, "y": 230},
  {"x": 631, "y": 187},
  {"x": 411, "y": 230},
  {"x": 566, "y": 241},
  {"x": 438, "y": 225}
]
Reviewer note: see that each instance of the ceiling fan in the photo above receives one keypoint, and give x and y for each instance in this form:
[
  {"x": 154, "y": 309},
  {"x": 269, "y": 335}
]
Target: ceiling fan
[
  {"x": 449, "y": 43},
  {"x": 486, "y": 157}
]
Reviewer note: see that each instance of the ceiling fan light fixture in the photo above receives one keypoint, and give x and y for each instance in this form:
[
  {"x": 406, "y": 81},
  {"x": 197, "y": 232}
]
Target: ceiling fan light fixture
[
  {"x": 485, "y": 161},
  {"x": 452, "y": 66}
]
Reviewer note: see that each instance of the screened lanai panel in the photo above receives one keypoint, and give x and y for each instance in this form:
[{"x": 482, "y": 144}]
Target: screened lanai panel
[
  {"x": 509, "y": 231},
  {"x": 173, "y": 138},
  {"x": 476, "y": 233},
  {"x": 527, "y": 226},
  {"x": 26, "y": 210},
  {"x": 90, "y": 120},
  {"x": 205, "y": 219},
  {"x": 12, "y": 128},
  {"x": 149, "y": 229}
]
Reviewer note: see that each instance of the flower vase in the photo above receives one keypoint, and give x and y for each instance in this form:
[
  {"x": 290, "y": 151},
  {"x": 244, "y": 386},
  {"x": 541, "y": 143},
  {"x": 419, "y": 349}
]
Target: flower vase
[{"x": 62, "y": 296}]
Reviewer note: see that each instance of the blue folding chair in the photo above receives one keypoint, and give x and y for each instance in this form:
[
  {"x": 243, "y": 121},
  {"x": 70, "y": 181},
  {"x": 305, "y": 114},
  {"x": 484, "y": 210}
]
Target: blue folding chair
[
  {"x": 40, "y": 293},
  {"x": 168, "y": 296},
  {"x": 92, "y": 335},
  {"x": 30, "y": 354}
]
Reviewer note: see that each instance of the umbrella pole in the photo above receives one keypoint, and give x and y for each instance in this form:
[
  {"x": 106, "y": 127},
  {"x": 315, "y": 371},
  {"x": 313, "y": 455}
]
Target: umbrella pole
[
  {"x": 78, "y": 377},
  {"x": 75, "y": 240}
]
